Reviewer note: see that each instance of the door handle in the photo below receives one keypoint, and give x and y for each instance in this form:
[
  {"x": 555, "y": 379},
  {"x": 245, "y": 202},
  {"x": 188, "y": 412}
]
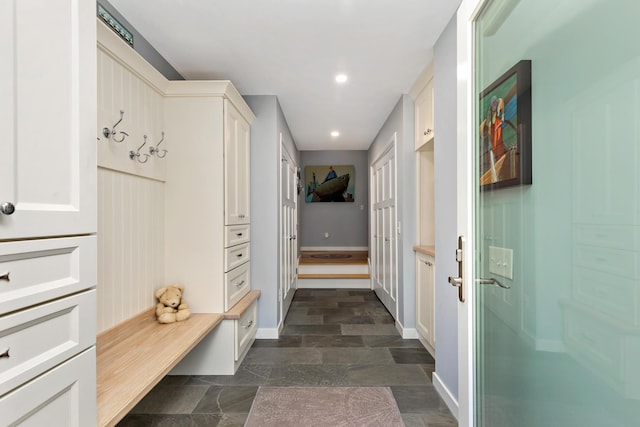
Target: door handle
[
  {"x": 459, "y": 281},
  {"x": 492, "y": 281}
]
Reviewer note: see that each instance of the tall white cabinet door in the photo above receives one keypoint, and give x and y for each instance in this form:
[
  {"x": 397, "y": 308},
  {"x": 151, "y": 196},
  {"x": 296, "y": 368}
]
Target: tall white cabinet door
[
  {"x": 236, "y": 163},
  {"x": 425, "y": 300},
  {"x": 424, "y": 116},
  {"x": 47, "y": 117}
]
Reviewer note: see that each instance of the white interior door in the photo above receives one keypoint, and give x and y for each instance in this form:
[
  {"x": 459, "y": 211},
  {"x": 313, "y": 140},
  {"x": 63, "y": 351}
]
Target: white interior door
[
  {"x": 289, "y": 227},
  {"x": 384, "y": 242}
]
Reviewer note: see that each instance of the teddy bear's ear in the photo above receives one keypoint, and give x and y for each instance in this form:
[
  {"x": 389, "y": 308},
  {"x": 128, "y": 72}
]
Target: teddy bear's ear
[
  {"x": 181, "y": 287},
  {"x": 160, "y": 291}
]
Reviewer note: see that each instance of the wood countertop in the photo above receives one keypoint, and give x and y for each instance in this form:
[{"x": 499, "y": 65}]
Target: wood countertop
[{"x": 427, "y": 250}]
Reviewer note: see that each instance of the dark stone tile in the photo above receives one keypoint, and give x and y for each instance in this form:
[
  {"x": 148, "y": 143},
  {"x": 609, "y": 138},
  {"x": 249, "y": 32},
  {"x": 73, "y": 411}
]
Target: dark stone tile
[
  {"x": 311, "y": 330},
  {"x": 429, "y": 370},
  {"x": 360, "y": 292},
  {"x": 182, "y": 420},
  {"x": 170, "y": 400},
  {"x": 278, "y": 356},
  {"x": 339, "y": 319},
  {"x": 246, "y": 375},
  {"x": 439, "y": 418},
  {"x": 368, "y": 329},
  {"x": 390, "y": 341},
  {"x": 329, "y": 292},
  {"x": 413, "y": 420},
  {"x": 361, "y": 375},
  {"x": 416, "y": 399},
  {"x": 225, "y": 399},
  {"x": 412, "y": 355},
  {"x": 333, "y": 311},
  {"x": 233, "y": 420},
  {"x": 284, "y": 341},
  {"x": 315, "y": 304},
  {"x": 173, "y": 380},
  {"x": 332, "y": 341},
  {"x": 304, "y": 319},
  {"x": 352, "y": 356},
  {"x": 308, "y": 375}
]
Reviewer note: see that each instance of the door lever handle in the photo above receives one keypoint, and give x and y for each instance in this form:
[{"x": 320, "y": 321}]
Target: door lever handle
[{"x": 491, "y": 281}]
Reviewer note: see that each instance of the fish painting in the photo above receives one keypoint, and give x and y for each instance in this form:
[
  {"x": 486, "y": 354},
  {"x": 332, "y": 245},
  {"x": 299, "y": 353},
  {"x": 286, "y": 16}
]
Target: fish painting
[{"x": 329, "y": 183}]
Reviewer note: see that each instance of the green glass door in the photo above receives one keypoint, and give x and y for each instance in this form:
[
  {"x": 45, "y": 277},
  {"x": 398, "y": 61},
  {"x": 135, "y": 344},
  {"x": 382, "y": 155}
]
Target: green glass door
[{"x": 557, "y": 213}]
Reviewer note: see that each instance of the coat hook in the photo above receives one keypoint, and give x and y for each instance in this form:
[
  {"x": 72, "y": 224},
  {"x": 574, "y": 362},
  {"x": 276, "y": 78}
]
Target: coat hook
[
  {"x": 111, "y": 133},
  {"x": 155, "y": 150},
  {"x": 136, "y": 154}
]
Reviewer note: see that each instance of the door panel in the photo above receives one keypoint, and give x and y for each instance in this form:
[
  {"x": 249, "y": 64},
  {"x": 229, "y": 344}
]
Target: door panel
[{"x": 289, "y": 225}]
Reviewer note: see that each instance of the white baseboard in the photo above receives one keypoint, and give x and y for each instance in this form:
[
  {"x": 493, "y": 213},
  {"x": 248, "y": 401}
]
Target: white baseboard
[
  {"x": 334, "y": 248},
  {"x": 267, "y": 334},
  {"x": 445, "y": 394},
  {"x": 334, "y": 284},
  {"x": 406, "y": 333}
]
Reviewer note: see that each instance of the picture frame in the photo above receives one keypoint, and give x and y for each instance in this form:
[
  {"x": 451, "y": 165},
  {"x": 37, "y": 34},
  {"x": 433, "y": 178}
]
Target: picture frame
[
  {"x": 504, "y": 138},
  {"x": 329, "y": 183}
]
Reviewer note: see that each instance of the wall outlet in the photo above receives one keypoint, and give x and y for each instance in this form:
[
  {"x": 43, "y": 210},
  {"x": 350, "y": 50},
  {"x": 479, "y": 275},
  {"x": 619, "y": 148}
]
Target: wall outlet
[
  {"x": 501, "y": 261},
  {"x": 326, "y": 235}
]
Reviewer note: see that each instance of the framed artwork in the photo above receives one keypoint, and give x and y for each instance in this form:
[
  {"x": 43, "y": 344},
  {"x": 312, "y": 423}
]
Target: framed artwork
[
  {"x": 505, "y": 130},
  {"x": 329, "y": 183}
]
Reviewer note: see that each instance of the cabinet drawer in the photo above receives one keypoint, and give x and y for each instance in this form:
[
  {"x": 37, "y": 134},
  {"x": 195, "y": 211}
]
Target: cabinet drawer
[
  {"x": 615, "y": 261},
  {"x": 40, "y": 338},
  {"x": 237, "y": 283},
  {"x": 42, "y": 270},
  {"x": 64, "y": 396},
  {"x": 236, "y": 234},
  {"x": 235, "y": 256},
  {"x": 245, "y": 330}
]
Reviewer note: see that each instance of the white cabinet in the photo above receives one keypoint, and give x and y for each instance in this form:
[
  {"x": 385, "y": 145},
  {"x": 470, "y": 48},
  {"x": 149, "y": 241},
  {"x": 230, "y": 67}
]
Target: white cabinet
[
  {"x": 424, "y": 115},
  {"x": 47, "y": 190},
  {"x": 48, "y": 120},
  {"x": 425, "y": 301},
  {"x": 207, "y": 223},
  {"x": 236, "y": 166}
]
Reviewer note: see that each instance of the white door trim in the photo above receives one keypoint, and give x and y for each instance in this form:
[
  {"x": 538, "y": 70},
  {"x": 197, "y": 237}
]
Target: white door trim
[{"x": 467, "y": 13}]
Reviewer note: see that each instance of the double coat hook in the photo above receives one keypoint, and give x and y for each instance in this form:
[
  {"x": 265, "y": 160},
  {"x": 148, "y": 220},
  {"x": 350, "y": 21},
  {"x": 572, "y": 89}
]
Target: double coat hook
[
  {"x": 111, "y": 133},
  {"x": 136, "y": 154}
]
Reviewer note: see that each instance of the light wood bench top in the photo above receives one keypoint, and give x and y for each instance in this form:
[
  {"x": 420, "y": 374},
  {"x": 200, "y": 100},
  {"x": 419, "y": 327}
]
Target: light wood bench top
[
  {"x": 135, "y": 355},
  {"x": 237, "y": 310}
]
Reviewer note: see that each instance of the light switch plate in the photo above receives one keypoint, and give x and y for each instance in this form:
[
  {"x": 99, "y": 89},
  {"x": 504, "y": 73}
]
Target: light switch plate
[{"x": 501, "y": 261}]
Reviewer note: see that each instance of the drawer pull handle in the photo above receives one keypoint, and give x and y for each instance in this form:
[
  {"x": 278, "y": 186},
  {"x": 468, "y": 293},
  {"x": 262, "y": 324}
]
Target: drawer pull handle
[
  {"x": 5, "y": 354},
  {"x": 249, "y": 323},
  {"x": 239, "y": 234},
  {"x": 240, "y": 283},
  {"x": 239, "y": 255},
  {"x": 5, "y": 276}
]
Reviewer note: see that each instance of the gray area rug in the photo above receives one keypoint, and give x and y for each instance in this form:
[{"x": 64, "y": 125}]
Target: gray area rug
[{"x": 324, "y": 407}]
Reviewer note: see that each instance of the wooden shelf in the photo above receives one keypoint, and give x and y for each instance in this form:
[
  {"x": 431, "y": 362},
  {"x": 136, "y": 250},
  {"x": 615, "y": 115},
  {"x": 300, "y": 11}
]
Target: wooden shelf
[
  {"x": 238, "y": 310},
  {"x": 333, "y": 276},
  {"x": 135, "y": 355}
]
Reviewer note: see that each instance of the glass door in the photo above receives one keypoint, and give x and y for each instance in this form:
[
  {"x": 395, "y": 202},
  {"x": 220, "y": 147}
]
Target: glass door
[{"x": 557, "y": 213}]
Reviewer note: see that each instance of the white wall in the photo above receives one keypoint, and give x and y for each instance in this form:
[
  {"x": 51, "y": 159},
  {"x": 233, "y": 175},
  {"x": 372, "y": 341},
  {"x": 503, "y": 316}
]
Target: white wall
[
  {"x": 445, "y": 200},
  {"x": 401, "y": 122}
]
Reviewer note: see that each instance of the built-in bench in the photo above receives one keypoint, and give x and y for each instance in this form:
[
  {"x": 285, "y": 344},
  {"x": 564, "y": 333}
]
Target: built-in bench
[{"x": 136, "y": 354}]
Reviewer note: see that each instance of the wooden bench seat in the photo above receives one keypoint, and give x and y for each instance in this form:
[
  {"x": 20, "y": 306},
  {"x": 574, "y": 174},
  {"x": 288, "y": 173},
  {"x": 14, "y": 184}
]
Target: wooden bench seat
[{"x": 135, "y": 355}]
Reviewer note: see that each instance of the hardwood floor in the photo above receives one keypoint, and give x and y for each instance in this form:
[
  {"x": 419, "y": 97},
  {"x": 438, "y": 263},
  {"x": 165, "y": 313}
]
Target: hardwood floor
[{"x": 331, "y": 338}]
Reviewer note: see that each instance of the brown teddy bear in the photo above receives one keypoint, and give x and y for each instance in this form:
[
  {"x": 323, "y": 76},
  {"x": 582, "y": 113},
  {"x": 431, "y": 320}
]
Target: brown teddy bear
[{"x": 171, "y": 308}]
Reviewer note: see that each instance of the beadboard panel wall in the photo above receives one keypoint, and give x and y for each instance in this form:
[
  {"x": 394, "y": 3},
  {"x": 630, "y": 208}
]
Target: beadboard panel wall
[
  {"x": 121, "y": 88},
  {"x": 130, "y": 245}
]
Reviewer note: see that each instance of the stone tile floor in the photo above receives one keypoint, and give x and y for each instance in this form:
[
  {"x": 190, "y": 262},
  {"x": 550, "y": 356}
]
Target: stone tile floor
[{"x": 331, "y": 338}]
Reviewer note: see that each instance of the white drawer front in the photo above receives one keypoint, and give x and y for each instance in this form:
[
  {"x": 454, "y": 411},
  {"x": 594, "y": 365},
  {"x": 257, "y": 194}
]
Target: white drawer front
[
  {"x": 236, "y": 256},
  {"x": 39, "y": 338},
  {"x": 615, "y": 261},
  {"x": 237, "y": 283},
  {"x": 246, "y": 328},
  {"x": 64, "y": 396},
  {"x": 236, "y": 234},
  {"x": 624, "y": 237},
  {"x": 42, "y": 270}
]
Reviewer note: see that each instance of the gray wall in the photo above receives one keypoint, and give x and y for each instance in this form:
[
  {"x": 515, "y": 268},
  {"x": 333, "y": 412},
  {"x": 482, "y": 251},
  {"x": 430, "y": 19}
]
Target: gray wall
[
  {"x": 346, "y": 223},
  {"x": 401, "y": 122},
  {"x": 445, "y": 200},
  {"x": 143, "y": 47},
  {"x": 265, "y": 202}
]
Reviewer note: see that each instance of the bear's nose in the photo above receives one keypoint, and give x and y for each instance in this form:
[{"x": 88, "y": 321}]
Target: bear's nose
[{"x": 173, "y": 304}]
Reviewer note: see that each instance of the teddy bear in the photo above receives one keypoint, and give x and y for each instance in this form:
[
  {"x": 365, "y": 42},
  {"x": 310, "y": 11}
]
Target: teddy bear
[{"x": 171, "y": 308}]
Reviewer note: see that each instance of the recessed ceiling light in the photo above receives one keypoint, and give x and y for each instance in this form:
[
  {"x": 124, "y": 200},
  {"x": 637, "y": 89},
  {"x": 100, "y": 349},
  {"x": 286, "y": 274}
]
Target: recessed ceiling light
[
  {"x": 335, "y": 133},
  {"x": 341, "y": 78}
]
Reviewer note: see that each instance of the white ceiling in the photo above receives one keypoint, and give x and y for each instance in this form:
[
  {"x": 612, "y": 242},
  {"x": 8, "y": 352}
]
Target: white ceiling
[{"x": 294, "y": 49}]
